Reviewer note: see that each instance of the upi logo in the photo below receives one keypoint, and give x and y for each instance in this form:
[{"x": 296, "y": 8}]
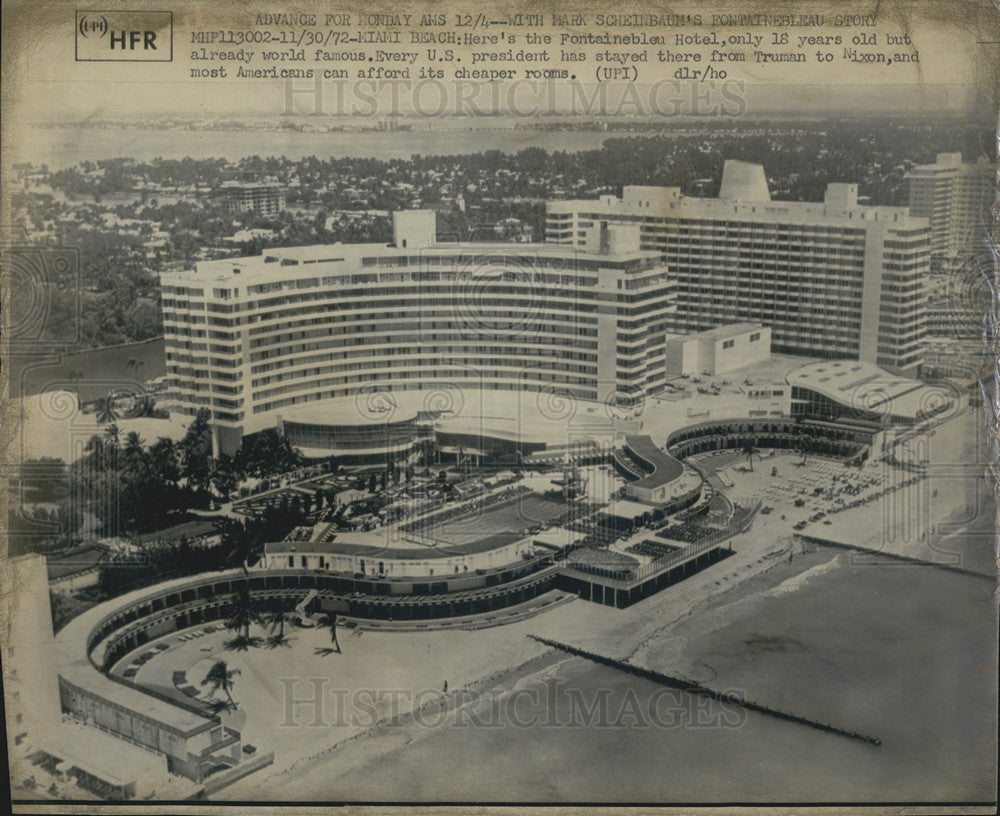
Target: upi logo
[{"x": 124, "y": 36}]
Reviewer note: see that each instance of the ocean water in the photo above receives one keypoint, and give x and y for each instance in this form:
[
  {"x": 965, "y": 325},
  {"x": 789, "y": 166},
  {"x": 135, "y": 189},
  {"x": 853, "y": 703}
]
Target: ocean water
[
  {"x": 65, "y": 146},
  {"x": 907, "y": 654}
]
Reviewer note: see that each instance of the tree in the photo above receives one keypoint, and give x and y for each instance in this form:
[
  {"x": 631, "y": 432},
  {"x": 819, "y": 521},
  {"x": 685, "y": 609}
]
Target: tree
[
  {"x": 266, "y": 453},
  {"x": 224, "y": 478},
  {"x": 60, "y": 608},
  {"x": 105, "y": 412},
  {"x": 135, "y": 365},
  {"x": 244, "y": 613},
  {"x": 750, "y": 451},
  {"x": 196, "y": 451},
  {"x": 133, "y": 443},
  {"x": 328, "y": 620},
  {"x": 275, "y": 618},
  {"x": 220, "y": 676},
  {"x": 805, "y": 447},
  {"x": 112, "y": 445},
  {"x": 164, "y": 459}
]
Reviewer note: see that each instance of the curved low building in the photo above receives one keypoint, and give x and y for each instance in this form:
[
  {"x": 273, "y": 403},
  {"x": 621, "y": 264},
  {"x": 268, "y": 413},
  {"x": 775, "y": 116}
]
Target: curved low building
[
  {"x": 194, "y": 740},
  {"x": 384, "y": 426},
  {"x": 846, "y": 440},
  {"x": 657, "y": 477},
  {"x": 856, "y": 390}
]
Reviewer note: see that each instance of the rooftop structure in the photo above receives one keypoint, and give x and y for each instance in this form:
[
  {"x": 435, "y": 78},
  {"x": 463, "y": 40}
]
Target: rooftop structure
[
  {"x": 865, "y": 390},
  {"x": 830, "y": 279},
  {"x": 719, "y": 350},
  {"x": 663, "y": 479}
]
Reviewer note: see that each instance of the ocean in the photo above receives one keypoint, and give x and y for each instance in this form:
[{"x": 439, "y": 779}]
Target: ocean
[
  {"x": 65, "y": 146},
  {"x": 903, "y": 653}
]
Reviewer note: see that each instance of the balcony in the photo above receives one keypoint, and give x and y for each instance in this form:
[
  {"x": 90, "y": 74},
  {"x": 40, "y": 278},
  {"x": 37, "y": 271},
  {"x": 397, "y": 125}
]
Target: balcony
[{"x": 229, "y": 738}]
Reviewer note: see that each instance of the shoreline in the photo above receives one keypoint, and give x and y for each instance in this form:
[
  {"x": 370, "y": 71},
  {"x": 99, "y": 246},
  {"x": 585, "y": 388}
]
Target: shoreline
[
  {"x": 377, "y": 741},
  {"x": 843, "y": 682}
]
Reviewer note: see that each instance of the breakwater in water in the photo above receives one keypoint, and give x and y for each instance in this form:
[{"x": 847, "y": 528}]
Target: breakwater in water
[{"x": 696, "y": 688}]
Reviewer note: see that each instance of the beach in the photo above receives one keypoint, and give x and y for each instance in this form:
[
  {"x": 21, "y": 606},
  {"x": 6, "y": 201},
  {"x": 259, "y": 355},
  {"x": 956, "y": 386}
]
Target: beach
[
  {"x": 901, "y": 652},
  {"x": 906, "y": 659}
]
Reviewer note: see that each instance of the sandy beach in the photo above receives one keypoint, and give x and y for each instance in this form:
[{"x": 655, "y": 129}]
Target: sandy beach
[{"x": 896, "y": 663}]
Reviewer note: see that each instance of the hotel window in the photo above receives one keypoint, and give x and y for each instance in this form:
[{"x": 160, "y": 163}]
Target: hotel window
[
  {"x": 755, "y": 337},
  {"x": 726, "y": 344}
]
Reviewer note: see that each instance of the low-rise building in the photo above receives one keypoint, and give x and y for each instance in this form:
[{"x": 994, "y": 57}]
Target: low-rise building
[{"x": 718, "y": 351}]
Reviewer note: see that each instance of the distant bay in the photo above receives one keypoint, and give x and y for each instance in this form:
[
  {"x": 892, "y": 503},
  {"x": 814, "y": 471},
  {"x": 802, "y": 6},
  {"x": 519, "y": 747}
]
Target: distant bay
[{"x": 64, "y": 146}]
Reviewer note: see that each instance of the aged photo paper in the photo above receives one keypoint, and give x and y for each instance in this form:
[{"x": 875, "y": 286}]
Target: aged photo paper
[{"x": 475, "y": 406}]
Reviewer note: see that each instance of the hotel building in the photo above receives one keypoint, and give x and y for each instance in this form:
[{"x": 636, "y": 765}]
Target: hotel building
[
  {"x": 295, "y": 337},
  {"x": 259, "y": 197},
  {"x": 831, "y": 279},
  {"x": 955, "y": 198}
]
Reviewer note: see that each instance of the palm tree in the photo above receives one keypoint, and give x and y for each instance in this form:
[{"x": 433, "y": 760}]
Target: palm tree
[
  {"x": 112, "y": 444},
  {"x": 275, "y": 618},
  {"x": 220, "y": 676},
  {"x": 805, "y": 446},
  {"x": 105, "y": 410},
  {"x": 95, "y": 445},
  {"x": 243, "y": 615},
  {"x": 329, "y": 620},
  {"x": 750, "y": 451},
  {"x": 133, "y": 443},
  {"x": 113, "y": 434}
]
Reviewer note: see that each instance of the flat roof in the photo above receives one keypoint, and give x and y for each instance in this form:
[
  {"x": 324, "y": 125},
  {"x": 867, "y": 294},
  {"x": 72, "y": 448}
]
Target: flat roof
[
  {"x": 623, "y": 508},
  {"x": 364, "y": 408},
  {"x": 729, "y": 330},
  {"x": 557, "y": 537},
  {"x": 73, "y": 663},
  {"x": 665, "y": 467},
  {"x": 280, "y": 263},
  {"x": 868, "y": 387},
  {"x": 525, "y": 416},
  {"x": 669, "y": 203},
  {"x": 101, "y": 754},
  {"x": 250, "y": 185},
  {"x": 391, "y": 544}
]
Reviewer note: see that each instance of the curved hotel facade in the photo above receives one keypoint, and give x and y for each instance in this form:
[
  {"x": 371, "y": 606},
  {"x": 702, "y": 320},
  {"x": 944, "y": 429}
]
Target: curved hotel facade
[{"x": 308, "y": 337}]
